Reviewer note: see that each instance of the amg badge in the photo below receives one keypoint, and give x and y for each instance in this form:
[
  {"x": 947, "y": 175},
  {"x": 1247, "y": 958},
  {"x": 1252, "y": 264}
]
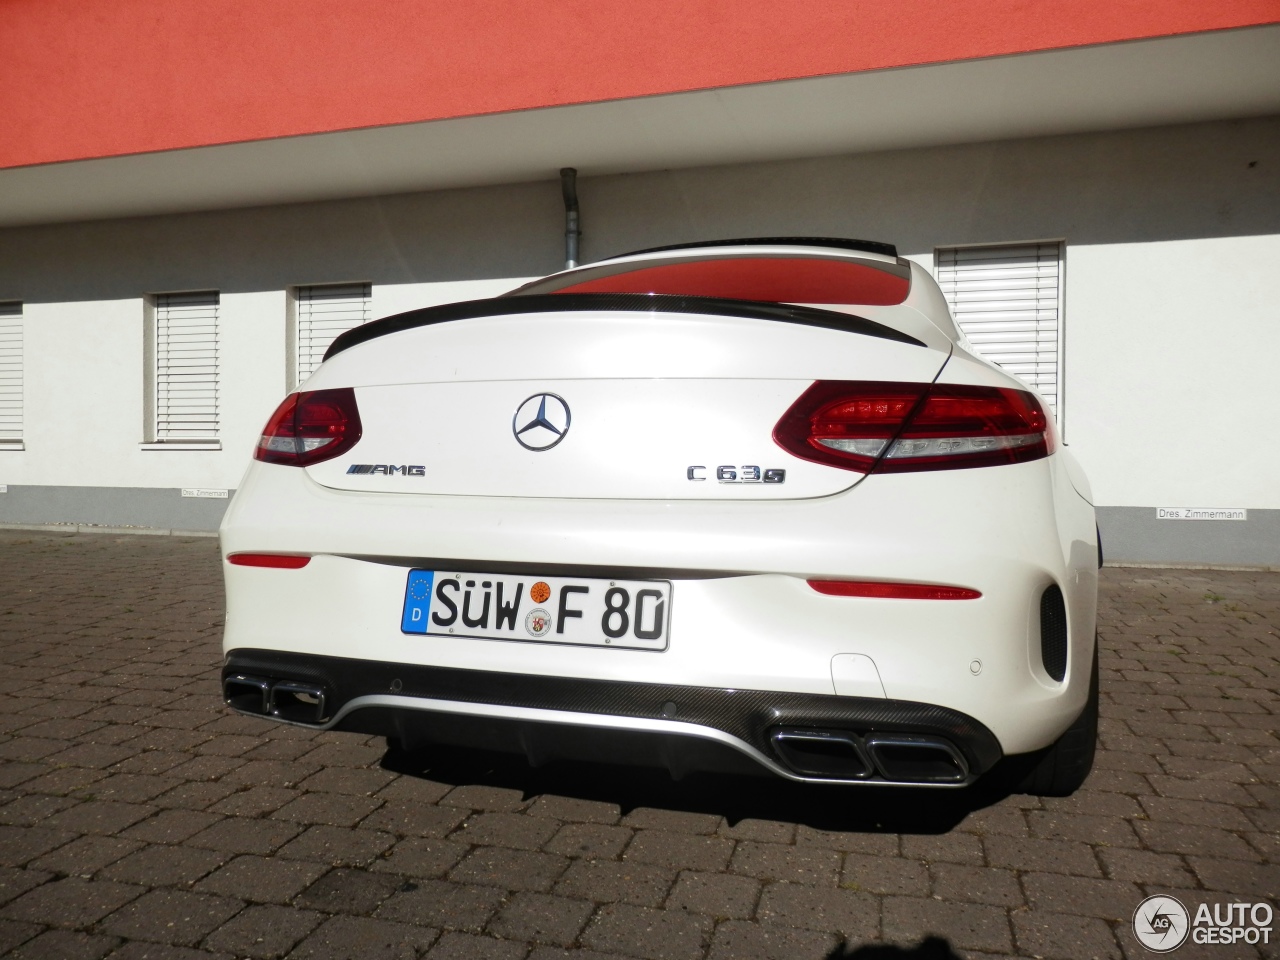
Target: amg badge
[{"x": 387, "y": 469}]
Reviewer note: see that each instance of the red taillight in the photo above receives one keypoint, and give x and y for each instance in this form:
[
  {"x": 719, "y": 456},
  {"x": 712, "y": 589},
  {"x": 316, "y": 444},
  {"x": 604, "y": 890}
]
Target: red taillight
[
  {"x": 900, "y": 427},
  {"x": 892, "y": 591},
  {"x": 278, "y": 560},
  {"x": 311, "y": 427}
]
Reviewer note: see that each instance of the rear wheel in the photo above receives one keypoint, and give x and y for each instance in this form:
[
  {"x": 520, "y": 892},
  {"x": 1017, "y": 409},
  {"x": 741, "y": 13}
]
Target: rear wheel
[{"x": 1061, "y": 769}]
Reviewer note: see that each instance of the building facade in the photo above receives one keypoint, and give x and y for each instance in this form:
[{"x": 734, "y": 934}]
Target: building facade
[{"x": 184, "y": 227}]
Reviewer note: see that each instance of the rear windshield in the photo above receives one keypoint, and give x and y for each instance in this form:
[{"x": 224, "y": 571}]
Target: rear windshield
[{"x": 777, "y": 279}]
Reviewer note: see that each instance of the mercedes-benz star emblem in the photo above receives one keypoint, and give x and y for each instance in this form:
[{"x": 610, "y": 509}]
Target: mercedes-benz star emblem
[{"x": 541, "y": 421}]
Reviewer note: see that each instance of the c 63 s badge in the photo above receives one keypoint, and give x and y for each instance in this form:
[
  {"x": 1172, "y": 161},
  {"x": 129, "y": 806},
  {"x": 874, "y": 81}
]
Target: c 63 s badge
[{"x": 748, "y": 473}]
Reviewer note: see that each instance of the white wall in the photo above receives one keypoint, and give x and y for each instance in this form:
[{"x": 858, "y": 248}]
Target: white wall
[
  {"x": 1172, "y": 323},
  {"x": 1172, "y": 361}
]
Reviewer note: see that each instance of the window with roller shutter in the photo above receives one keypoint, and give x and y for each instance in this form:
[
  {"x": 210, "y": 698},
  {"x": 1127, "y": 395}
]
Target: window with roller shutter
[
  {"x": 322, "y": 313},
  {"x": 186, "y": 367},
  {"x": 1007, "y": 299},
  {"x": 10, "y": 373}
]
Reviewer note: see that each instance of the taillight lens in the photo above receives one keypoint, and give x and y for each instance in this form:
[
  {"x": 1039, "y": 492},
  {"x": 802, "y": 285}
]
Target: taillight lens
[
  {"x": 901, "y": 427},
  {"x": 311, "y": 427}
]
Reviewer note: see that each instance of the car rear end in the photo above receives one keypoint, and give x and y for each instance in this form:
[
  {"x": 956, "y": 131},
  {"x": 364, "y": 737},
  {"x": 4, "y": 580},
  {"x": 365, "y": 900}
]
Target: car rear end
[{"x": 619, "y": 514}]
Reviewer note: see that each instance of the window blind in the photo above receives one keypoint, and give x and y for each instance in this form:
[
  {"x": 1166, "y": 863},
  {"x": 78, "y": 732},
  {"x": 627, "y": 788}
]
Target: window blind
[
  {"x": 10, "y": 371},
  {"x": 186, "y": 375},
  {"x": 1007, "y": 301},
  {"x": 323, "y": 313}
]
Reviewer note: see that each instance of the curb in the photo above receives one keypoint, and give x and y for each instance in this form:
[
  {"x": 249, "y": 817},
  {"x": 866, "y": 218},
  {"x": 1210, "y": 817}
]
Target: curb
[{"x": 93, "y": 528}]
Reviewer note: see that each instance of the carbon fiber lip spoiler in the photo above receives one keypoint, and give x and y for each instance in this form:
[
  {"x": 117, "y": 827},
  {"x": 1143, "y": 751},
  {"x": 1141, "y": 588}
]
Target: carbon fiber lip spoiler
[{"x": 620, "y": 303}]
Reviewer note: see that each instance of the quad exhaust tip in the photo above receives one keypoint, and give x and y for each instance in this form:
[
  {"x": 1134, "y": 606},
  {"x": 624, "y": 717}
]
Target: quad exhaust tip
[
  {"x": 819, "y": 754},
  {"x": 843, "y": 755},
  {"x": 283, "y": 699}
]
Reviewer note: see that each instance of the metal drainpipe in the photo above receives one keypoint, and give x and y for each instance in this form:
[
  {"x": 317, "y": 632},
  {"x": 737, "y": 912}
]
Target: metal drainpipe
[{"x": 569, "y": 187}]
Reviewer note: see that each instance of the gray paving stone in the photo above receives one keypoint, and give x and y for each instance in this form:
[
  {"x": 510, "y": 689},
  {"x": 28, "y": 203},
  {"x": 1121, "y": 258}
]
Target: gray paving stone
[
  {"x": 262, "y": 879},
  {"x": 594, "y": 841},
  {"x": 344, "y": 890},
  {"x": 777, "y": 861},
  {"x": 898, "y": 875},
  {"x": 510, "y": 869},
  {"x": 680, "y": 851},
  {"x": 853, "y": 915},
  {"x": 165, "y": 866},
  {"x": 71, "y": 903},
  {"x": 178, "y": 917},
  {"x": 649, "y": 933},
  {"x": 1082, "y": 896},
  {"x": 345, "y": 938},
  {"x": 15, "y": 882},
  {"x": 421, "y": 857},
  {"x": 513, "y": 830},
  {"x": 264, "y": 932},
  {"x": 466, "y": 946},
  {"x": 242, "y": 835},
  {"x": 968, "y": 926},
  {"x": 575, "y": 810},
  {"x": 338, "y": 846},
  {"x": 86, "y": 855},
  {"x": 739, "y": 940},
  {"x": 1064, "y": 937},
  {"x": 450, "y": 906},
  {"x": 542, "y": 918},
  {"x": 976, "y": 885},
  {"x": 606, "y": 881},
  {"x": 65, "y": 945}
]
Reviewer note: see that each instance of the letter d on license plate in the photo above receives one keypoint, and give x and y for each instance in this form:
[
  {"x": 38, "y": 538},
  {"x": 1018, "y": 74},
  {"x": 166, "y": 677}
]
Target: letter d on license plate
[
  {"x": 417, "y": 601},
  {"x": 635, "y": 614}
]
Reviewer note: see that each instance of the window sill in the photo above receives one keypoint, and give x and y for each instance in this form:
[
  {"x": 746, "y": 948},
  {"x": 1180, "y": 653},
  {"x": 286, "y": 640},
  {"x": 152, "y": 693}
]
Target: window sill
[{"x": 182, "y": 445}]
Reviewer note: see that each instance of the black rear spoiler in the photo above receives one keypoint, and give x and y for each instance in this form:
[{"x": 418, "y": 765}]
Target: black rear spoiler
[
  {"x": 837, "y": 243},
  {"x": 621, "y": 303}
]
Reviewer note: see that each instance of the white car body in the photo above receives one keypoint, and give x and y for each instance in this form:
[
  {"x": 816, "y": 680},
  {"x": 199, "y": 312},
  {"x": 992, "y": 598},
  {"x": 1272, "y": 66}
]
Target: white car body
[{"x": 660, "y": 401}]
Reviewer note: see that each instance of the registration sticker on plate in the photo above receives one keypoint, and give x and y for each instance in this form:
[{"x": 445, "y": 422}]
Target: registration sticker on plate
[{"x": 493, "y": 606}]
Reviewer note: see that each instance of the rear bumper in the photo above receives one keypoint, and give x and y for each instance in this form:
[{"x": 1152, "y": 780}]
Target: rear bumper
[
  {"x": 742, "y": 616},
  {"x": 807, "y": 737}
]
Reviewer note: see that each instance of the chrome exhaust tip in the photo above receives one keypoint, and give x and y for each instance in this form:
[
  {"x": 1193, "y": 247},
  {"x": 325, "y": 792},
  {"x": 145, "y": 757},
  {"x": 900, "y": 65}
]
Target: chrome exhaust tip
[
  {"x": 299, "y": 702},
  {"x": 825, "y": 754},
  {"x": 913, "y": 759},
  {"x": 248, "y": 694},
  {"x": 283, "y": 699}
]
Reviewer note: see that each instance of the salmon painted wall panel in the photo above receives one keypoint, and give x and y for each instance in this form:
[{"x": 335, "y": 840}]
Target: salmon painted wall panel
[{"x": 93, "y": 78}]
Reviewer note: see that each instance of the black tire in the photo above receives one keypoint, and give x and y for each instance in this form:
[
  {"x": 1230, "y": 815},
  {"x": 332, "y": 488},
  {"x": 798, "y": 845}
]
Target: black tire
[{"x": 1061, "y": 769}]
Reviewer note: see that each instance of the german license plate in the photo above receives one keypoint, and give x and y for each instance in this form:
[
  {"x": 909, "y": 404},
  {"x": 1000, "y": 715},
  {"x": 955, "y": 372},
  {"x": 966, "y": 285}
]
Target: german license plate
[{"x": 635, "y": 614}]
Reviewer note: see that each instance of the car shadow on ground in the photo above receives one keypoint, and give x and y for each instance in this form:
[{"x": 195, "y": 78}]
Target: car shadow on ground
[
  {"x": 930, "y": 948},
  {"x": 859, "y": 808}
]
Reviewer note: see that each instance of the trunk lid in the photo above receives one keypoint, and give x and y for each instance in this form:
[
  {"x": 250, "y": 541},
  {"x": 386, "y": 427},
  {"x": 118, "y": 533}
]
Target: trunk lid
[{"x": 633, "y": 405}]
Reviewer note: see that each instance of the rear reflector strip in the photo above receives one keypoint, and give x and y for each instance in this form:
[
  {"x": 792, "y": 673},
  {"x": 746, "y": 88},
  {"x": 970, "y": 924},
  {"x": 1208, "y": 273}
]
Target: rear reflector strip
[
  {"x": 892, "y": 591},
  {"x": 278, "y": 560}
]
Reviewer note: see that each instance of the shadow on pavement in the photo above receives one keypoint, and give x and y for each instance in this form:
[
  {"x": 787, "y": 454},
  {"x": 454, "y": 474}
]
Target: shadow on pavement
[
  {"x": 930, "y": 948},
  {"x": 869, "y": 809}
]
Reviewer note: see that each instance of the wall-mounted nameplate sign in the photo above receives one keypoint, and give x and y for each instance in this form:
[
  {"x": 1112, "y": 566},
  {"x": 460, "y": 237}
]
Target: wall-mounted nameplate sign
[
  {"x": 204, "y": 492},
  {"x": 1201, "y": 513}
]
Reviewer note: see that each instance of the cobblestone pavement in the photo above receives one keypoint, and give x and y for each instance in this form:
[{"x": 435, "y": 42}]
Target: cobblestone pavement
[{"x": 140, "y": 819}]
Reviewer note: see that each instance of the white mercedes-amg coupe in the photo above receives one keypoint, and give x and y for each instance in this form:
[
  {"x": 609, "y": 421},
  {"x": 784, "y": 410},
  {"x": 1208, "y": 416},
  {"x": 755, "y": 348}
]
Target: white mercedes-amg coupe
[{"x": 751, "y": 504}]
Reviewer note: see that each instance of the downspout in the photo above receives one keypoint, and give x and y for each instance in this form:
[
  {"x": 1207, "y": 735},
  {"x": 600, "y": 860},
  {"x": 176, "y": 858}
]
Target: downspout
[{"x": 569, "y": 187}]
